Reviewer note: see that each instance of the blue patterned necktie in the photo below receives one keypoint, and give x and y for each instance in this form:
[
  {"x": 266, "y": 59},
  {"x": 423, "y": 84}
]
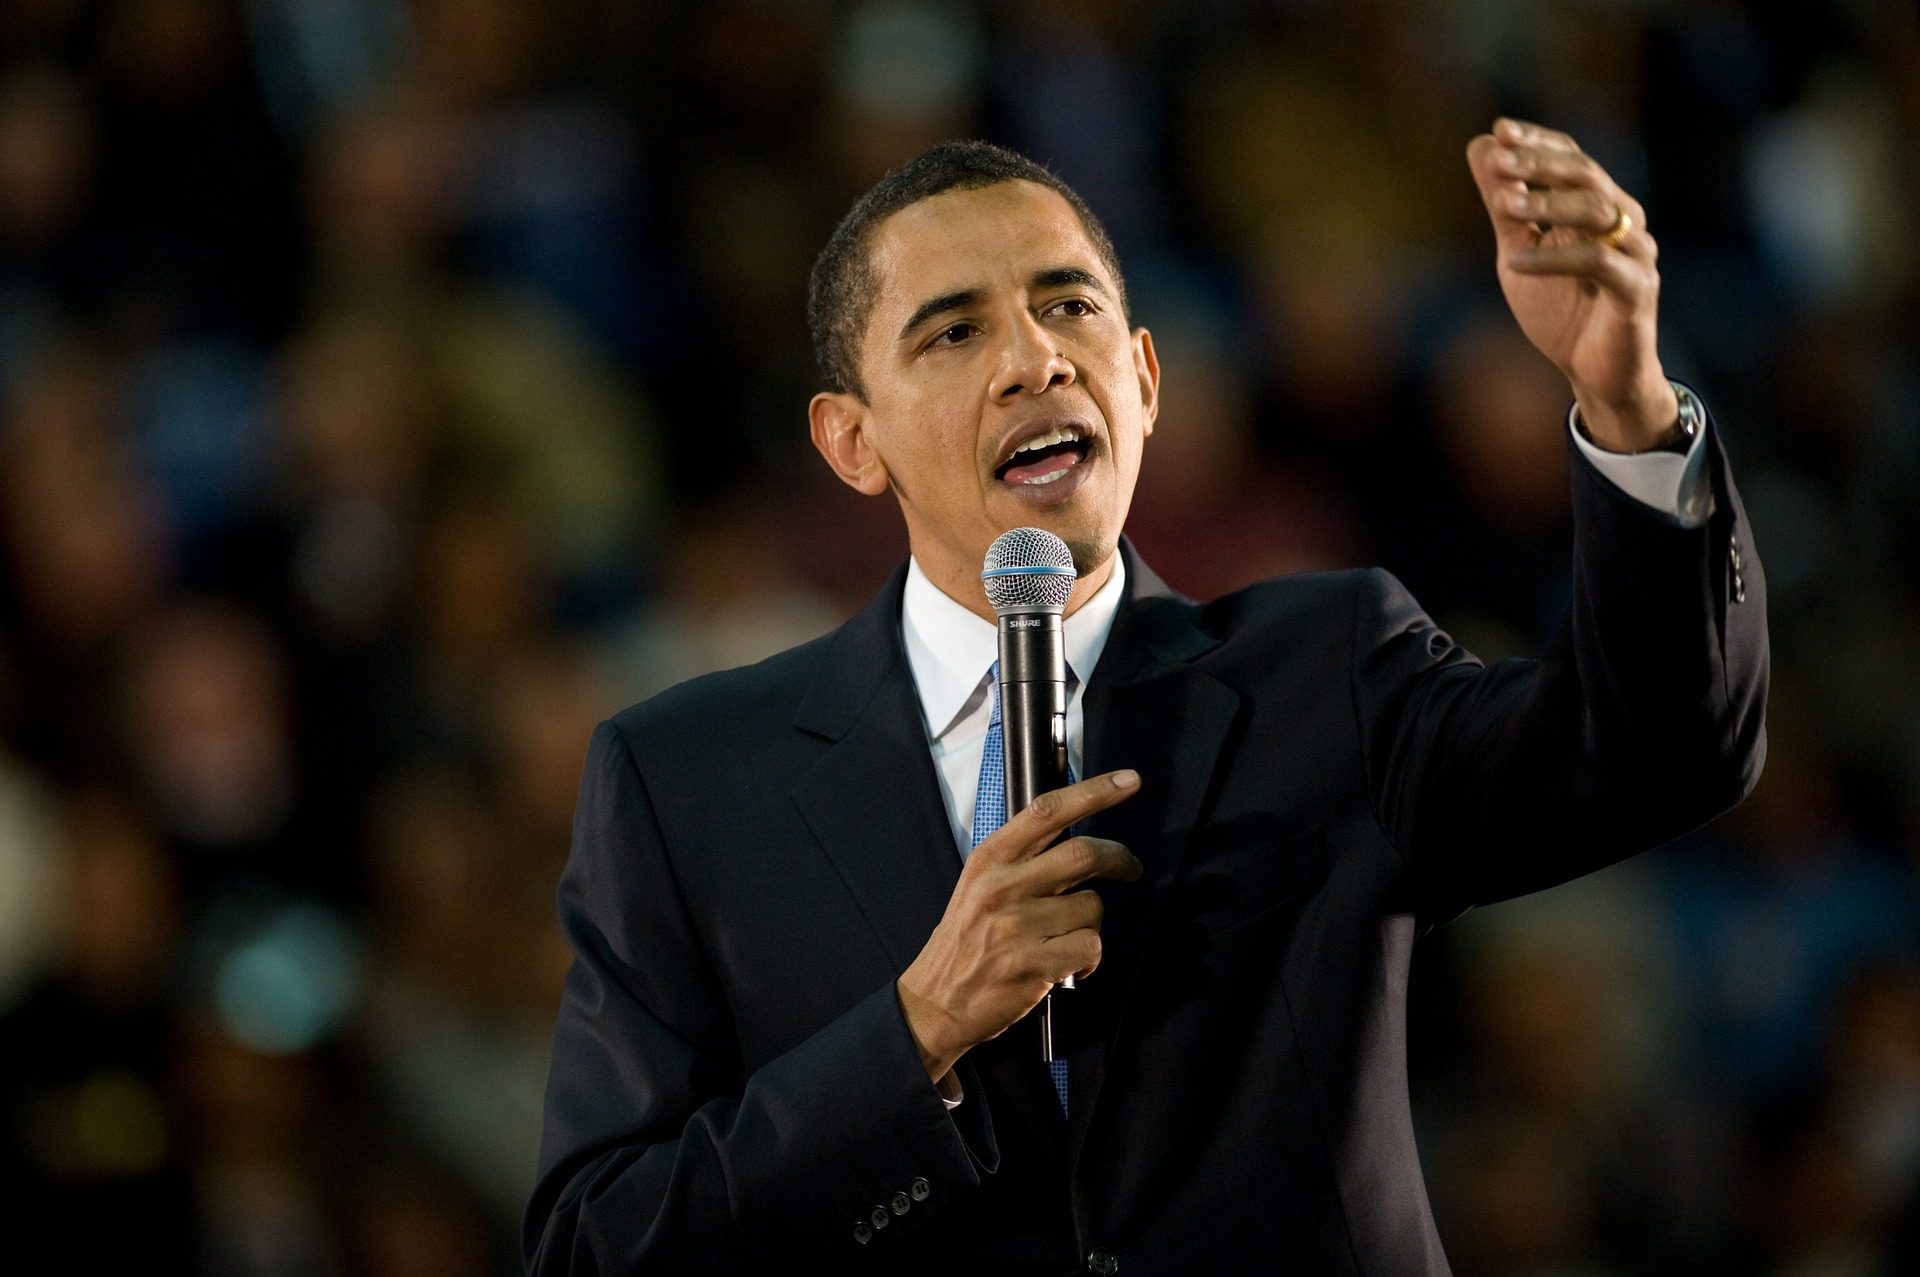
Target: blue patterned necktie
[{"x": 990, "y": 812}]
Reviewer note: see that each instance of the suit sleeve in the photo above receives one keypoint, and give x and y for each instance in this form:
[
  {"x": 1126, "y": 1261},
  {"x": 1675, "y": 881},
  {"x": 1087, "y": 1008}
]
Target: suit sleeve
[
  {"x": 660, "y": 1152},
  {"x": 1644, "y": 718}
]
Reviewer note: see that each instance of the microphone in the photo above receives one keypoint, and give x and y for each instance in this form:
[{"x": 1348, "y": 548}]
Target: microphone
[{"x": 1028, "y": 576}]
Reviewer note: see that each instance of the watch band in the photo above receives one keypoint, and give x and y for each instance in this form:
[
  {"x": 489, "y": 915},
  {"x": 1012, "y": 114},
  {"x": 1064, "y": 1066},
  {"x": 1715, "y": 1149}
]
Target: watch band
[{"x": 1687, "y": 427}]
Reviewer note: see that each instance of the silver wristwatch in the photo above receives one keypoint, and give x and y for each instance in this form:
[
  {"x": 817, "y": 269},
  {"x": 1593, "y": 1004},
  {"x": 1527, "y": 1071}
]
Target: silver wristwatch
[{"x": 1687, "y": 428}]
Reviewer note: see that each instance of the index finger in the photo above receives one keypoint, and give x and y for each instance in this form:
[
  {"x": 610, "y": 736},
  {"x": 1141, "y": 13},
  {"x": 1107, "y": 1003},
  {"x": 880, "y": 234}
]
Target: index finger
[
  {"x": 1510, "y": 130},
  {"x": 1494, "y": 187},
  {"x": 1034, "y": 827}
]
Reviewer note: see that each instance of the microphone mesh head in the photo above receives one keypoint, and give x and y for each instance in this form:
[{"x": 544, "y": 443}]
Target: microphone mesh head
[{"x": 1024, "y": 569}]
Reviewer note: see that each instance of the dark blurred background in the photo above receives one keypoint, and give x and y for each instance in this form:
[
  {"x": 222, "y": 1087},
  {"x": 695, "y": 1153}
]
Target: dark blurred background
[{"x": 390, "y": 389}]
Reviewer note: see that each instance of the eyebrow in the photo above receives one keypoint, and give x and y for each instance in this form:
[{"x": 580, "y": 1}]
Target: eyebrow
[
  {"x": 1060, "y": 276},
  {"x": 939, "y": 306},
  {"x": 959, "y": 299}
]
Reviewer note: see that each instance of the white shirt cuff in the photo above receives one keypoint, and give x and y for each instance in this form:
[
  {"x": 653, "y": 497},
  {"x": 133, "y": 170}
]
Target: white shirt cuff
[
  {"x": 951, "y": 1092},
  {"x": 1670, "y": 482}
]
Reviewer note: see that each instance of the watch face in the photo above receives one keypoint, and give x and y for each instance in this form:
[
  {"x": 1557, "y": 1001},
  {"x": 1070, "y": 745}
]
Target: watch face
[{"x": 1690, "y": 414}]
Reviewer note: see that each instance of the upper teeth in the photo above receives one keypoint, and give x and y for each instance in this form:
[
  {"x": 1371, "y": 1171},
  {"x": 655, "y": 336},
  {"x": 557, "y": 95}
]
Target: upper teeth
[{"x": 1059, "y": 434}]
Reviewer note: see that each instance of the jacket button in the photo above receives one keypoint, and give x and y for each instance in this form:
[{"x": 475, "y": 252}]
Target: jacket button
[
  {"x": 879, "y": 1218},
  {"x": 899, "y": 1203},
  {"x": 1102, "y": 1260},
  {"x": 1739, "y": 588},
  {"x": 920, "y": 1188},
  {"x": 862, "y": 1234}
]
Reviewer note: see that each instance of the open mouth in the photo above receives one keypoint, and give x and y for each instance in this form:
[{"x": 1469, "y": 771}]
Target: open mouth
[{"x": 1045, "y": 459}]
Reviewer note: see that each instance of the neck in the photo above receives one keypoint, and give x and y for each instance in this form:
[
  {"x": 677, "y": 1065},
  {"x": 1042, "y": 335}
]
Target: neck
[{"x": 964, "y": 588}]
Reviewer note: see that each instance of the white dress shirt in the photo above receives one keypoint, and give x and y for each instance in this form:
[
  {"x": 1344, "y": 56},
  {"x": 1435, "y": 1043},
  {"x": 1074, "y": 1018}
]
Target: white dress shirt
[{"x": 1670, "y": 481}]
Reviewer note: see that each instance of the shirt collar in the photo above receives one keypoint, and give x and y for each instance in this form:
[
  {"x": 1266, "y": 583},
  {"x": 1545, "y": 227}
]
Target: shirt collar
[{"x": 950, "y": 649}]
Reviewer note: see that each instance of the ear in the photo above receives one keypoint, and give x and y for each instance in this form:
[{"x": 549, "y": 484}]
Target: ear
[
  {"x": 1146, "y": 367},
  {"x": 838, "y": 424}
]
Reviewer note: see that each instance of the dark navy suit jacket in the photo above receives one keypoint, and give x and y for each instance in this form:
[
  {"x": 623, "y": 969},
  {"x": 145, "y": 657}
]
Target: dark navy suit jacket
[{"x": 758, "y": 855}]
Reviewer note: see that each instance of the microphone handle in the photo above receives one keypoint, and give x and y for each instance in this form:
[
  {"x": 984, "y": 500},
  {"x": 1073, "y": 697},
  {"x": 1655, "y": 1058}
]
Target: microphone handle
[
  {"x": 1033, "y": 725},
  {"x": 1033, "y": 704}
]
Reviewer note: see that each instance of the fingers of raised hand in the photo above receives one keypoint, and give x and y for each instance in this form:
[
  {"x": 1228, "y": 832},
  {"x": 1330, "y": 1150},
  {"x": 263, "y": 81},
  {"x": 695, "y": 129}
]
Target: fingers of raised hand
[
  {"x": 1517, "y": 155},
  {"x": 1588, "y": 211},
  {"x": 1535, "y": 179},
  {"x": 1523, "y": 186},
  {"x": 1631, "y": 278},
  {"x": 1483, "y": 154},
  {"x": 1591, "y": 213},
  {"x": 1526, "y": 132},
  {"x": 1545, "y": 166}
]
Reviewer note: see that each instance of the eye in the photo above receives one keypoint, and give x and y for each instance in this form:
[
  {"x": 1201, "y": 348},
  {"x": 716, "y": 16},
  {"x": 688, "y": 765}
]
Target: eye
[
  {"x": 952, "y": 335},
  {"x": 1081, "y": 307}
]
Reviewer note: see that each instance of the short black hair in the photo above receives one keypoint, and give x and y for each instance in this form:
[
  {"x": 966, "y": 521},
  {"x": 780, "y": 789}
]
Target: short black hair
[{"x": 840, "y": 292}]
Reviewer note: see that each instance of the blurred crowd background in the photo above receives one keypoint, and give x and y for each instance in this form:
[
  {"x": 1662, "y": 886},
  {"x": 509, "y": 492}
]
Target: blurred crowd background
[{"x": 390, "y": 389}]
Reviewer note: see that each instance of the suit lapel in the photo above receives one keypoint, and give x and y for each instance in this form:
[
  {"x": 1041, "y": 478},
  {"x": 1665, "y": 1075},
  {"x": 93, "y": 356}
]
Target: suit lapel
[
  {"x": 873, "y": 801},
  {"x": 1150, "y": 709}
]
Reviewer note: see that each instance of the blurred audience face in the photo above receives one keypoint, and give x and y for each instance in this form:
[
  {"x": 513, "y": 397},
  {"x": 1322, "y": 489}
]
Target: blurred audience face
[
  {"x": 356, "y": 411},
  {"x": 1326, "y": 291},
  {"x": 46, "y": 155},
  {"x": 1209, "y": 412},
  {"x": 949, "y": 397},
  {"x": 542, "y": 709},
  {"x": 207, "y": 725},
  {"x": 85, "y": 534},
  {"x": 462, "y": 905},
  {"x": 481, "y": 589},
  {"x": 1492, "y": 392},
  {"x": 901, "y": 77},
  {"x": 353, "y": 396},
  {"x": 380, "y": 186},
  {"x": 122, "y": 908}
]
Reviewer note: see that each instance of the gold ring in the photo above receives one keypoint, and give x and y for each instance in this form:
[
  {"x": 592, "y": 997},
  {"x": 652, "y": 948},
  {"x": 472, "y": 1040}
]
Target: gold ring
[{"x": 1622, "y": 223}]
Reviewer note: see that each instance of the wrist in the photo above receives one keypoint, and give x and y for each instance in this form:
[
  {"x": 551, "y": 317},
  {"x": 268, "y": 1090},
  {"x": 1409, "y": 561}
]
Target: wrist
[
  {"x": 1641, "y": 422},
  {"x": 924, "y": 1020}
]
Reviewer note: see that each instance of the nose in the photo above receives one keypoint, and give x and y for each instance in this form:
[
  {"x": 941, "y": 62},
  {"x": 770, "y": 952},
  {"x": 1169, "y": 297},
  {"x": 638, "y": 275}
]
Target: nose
[{"x": 1029, "y": 363}]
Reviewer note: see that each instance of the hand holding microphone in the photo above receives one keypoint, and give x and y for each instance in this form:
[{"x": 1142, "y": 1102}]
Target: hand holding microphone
[{"x": 1009, "y": 935}]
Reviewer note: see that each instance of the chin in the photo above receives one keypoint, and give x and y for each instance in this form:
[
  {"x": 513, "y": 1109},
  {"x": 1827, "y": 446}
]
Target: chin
[{"x": 1090, "y": 553}]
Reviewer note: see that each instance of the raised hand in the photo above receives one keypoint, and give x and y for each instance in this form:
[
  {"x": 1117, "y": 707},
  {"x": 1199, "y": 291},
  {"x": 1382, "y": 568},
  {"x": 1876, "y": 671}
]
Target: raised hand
[
  {"x": 1008, "y": 934},
  {"x": 1576, "y": 263}
]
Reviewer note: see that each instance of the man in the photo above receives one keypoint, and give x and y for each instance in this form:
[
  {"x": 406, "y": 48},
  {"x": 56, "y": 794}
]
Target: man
[{"x": 797, "y": 1030}]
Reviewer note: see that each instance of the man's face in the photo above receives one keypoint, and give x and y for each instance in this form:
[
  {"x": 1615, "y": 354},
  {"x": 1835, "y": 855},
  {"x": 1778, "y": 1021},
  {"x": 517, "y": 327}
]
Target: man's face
[{"x": 1003, "y": 386}]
